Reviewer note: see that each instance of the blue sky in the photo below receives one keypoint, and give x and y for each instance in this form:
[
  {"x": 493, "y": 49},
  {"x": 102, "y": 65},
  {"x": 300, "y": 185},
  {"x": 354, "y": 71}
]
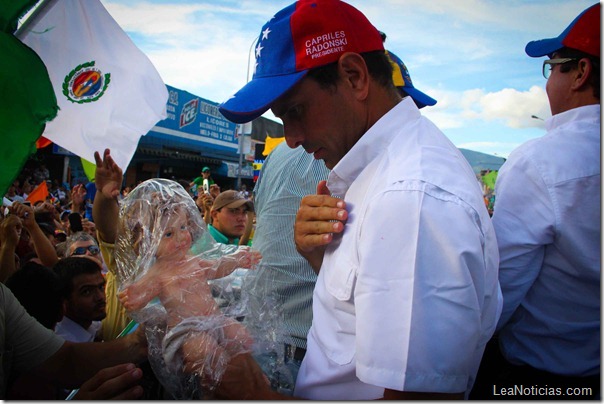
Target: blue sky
[{"x": 468, "y": 54}]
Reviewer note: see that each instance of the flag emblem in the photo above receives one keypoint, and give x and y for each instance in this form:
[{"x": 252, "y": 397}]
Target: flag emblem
[{"x": 85, "y": 83}]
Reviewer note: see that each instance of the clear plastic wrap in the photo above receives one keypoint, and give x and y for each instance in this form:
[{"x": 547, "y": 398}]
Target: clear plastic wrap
[{"x": 184, "y": 288}]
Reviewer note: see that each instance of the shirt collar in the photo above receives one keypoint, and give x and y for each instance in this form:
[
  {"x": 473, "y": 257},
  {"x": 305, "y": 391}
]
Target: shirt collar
[
  {"x": 372, "y": 144},
  {"x": 219, "y": 237},
  {"x": 80, "y": 333},
  {"x": 588, "y": 112}
]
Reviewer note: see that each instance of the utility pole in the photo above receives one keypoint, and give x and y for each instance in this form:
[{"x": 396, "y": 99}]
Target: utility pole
[{"x": 242, "y": 128}]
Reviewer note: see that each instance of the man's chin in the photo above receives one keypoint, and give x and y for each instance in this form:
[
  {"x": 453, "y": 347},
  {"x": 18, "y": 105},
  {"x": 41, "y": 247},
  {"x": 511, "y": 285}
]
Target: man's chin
[{"x": 100, "y": 317}]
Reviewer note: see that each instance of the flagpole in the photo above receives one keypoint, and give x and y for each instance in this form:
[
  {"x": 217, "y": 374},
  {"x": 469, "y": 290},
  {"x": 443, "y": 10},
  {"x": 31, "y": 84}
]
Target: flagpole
[{"x": 39, "y": 12}]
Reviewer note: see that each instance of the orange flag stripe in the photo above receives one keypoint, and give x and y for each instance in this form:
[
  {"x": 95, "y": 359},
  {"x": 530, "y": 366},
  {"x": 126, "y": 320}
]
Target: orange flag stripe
[{"x": 39, "y": 193}]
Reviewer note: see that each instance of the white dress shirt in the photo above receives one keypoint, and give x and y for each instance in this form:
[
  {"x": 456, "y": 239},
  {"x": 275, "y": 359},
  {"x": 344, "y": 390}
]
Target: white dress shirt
[
  {"x": 408, "y": 297},
  {"x": 547, "y": 220},
  {"x": 72, "y": 331}
]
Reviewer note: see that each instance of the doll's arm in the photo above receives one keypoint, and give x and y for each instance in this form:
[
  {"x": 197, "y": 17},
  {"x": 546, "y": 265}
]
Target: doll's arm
[
  {"x": 244, "y": 257},
  {"x": 137, "y": 295}
]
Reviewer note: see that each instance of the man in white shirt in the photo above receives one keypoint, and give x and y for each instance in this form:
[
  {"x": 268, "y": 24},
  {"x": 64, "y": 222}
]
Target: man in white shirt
[
  {"x": 287, "y": 176},
  {"x": 547, "y": 220},
  {"x": 83, "y": 290},
  {"x": 407, "y": 294}
]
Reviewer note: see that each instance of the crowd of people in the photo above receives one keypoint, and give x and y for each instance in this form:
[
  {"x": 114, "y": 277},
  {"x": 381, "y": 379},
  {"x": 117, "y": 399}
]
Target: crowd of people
[
  {"x": 393, "y": 275},
  {"x": 59, "y": 261}
]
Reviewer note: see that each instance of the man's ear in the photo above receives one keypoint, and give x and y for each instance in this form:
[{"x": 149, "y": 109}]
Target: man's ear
[
  {"x": 354, "y": 73},
  {"x": 582, "y": 73}
]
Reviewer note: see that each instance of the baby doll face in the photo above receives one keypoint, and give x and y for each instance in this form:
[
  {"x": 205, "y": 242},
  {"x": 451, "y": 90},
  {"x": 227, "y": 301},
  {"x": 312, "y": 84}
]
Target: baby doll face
[{"x": 176, "y": 239}]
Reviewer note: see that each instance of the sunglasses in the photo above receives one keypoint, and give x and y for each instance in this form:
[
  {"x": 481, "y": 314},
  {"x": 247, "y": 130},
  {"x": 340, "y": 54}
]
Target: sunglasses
[
  {"x": 549, "y": 64},
  {"x": 94, "y": 250}
]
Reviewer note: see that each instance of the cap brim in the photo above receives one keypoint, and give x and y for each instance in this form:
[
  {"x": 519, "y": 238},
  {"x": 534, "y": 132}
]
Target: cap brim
[
  {"x": 543, "y": 47},
  {"x": 256, "y": 97},
  {"x": 236, "y": 204},
  {"x": 421, "y": 99}
]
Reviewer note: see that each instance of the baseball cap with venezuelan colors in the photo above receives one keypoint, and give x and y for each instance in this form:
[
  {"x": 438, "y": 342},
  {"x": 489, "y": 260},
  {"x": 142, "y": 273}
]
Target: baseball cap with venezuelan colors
[
  {"x": 302, "y": 36},
  {"x": 402, "y": 80},
  {"x": 582, "y": 34}
]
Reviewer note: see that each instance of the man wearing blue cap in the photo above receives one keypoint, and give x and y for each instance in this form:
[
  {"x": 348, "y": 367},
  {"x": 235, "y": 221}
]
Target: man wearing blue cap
[
  {"x": 547, "y": 220},
  {"x": 287, "y": 176},
  {"x": 407, "y": 292}
]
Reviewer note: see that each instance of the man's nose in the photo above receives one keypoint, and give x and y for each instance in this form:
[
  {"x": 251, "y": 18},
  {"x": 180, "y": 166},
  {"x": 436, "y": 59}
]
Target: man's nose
[
  {"x": 293, "y": 138},
  {"x": 100, "y": 295}
]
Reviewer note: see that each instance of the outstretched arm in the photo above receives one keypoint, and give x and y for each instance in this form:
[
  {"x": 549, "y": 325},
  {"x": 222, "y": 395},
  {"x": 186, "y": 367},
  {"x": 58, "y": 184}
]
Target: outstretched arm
[
  {"x": 244, "y": 257},
  {"x": 74, "y": 363},
  {"x": 240, "y": 376},
  {"x": 105, "y": 209},
  {"x": 137, "y": 295}
]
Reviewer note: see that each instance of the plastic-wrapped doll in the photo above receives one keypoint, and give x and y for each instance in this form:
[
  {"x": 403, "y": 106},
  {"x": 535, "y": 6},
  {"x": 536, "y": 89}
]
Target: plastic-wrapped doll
[{"x": 164, "y": 283}]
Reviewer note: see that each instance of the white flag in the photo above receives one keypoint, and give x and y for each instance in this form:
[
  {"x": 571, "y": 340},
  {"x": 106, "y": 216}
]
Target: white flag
[{"x": 108, "y": 91}]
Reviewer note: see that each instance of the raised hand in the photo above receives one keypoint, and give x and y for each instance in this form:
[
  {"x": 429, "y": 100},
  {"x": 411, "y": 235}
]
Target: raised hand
[
  {"x": 108, "y": 177},
  {"x": 46, "y": 207},
  {"x": 10, "y": 230},
  {"x": 25, "y": 213},
  {"x": 214, "y": 190},
  {"x": 204, "y": 202},
  {"x": 78, "y": 194}
]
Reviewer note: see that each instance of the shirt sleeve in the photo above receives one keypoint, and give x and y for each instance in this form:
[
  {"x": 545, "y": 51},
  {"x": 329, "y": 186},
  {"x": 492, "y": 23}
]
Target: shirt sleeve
[
  {"x": 27, "y": 343},
  {"x": 524, "y": 222},
  {"x": 420, "y": 292},
  {"x": 108, "y": 253}
]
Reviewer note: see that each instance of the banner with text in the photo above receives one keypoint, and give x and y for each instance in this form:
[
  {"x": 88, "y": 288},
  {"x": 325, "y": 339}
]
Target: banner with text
[{"x": 192, "y": 119}]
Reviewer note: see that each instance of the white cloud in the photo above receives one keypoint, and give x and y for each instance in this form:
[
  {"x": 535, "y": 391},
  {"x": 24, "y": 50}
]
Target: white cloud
[
  {"x": 198, "y": 47},
  {"x": 513, "y": 108},
  {"x": 467, "y": 54},
  {"x": 154, "y": 19}
]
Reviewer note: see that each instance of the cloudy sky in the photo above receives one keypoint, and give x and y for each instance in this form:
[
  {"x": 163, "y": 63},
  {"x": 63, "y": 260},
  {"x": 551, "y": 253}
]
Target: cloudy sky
[{"x": 468, "y": 54}]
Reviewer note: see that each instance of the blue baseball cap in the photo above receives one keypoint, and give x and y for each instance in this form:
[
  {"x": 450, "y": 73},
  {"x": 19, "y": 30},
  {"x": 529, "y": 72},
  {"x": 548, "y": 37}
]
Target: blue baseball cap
[
  {"x": 582, "y": 34},
  {"x": 402, "y": 80},
  {"x": 302, "y": 36}
]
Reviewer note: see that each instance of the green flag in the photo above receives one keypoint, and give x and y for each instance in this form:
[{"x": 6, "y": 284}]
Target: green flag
[
  {"x": 489, "y": 179},
  {"x": 28, "y": 100},
  {"x": 11, "y": 11},
  {"x": 89, "y": 169}
]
